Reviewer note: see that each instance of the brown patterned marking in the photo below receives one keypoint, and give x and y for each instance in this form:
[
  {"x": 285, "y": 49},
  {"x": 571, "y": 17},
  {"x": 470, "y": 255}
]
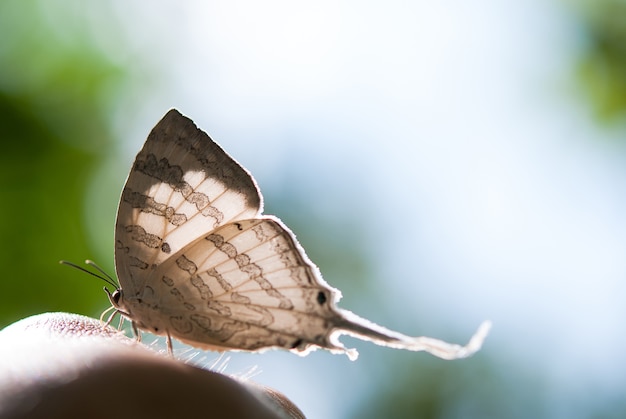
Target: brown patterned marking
[
  {"x": 149, "y": 205},
  {"x": 254, "y": 271},
  {"x": 284, "y": 246},
  {"x": 223, "y": 333},
  {"x": 220, "y": 279},
  {"x": 204, "y": 322},
  {"x": 216, "y": 239},
  {"x": 219, "y": 308},
  {"x": 301, "y": 275},
  {"x": 309, "y": 295},
  {"x": 181, "y": 324},
  {"x": 176, "y": 293},
  {"x": 266, "y": 286},
  {"x": 266, "y": 316},
  {"x": 285, "y": 303},
  {"x": 186, "y": 264},
  {"x": 139, "y": 234},
  {"x": 119, "y": 247},
  {"x": 177, "y": 129},
  {"x": 256, "y": 340},
  {"x": 189, "y": 307},
  {"x": 306, "y": 325},
  {"x": 135, "y": 262},
  {"x": 211, "y": 211},
  {"x": 242, "y": 259},
  {"x": 260, "y": 233},
  {"x": 290, "y": 259},
  {"x": 203, "y": 289},
  {"x": 173, "y": 176},
  {"x": 229, "y": 249},
  {"x": 280, "y": 244},
  {"x": 239, "y": 298},
  {"x": 199, "y": 199},
  {"x": 223, "y": 245},
  {"x": 267, "y": 230},
  {"x": 165, "y": 248},
  {"x": 163, "y": 171},
  {"x": 203, "y": 151},
  {"x": 167, "y": 281}
]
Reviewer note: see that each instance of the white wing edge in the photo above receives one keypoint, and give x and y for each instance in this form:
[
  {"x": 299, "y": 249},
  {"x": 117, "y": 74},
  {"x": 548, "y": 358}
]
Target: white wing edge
[{"x": 366, "y": 330}]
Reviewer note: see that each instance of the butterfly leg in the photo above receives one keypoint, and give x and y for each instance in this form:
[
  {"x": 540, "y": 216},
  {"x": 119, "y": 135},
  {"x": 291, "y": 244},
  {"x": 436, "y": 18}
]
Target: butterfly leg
[
  {"x": 121, "y": 323},
  {"x": 136, "y": 331},
  {"x": 110, "y": 318},
  {"x": 170, "y": 350}
]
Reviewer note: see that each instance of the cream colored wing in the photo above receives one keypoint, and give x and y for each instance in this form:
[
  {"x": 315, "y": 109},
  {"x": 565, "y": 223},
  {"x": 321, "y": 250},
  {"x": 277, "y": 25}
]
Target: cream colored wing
[
  {"x": 248, "y": 285},
  {"x": 197, "y": 261},
  {"x": 181, "y": 186}
]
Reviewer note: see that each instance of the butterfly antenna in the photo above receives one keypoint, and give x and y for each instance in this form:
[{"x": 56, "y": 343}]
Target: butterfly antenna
[
  {"x": 105, "y": 277},
  {"x": 102, "y": 271}
]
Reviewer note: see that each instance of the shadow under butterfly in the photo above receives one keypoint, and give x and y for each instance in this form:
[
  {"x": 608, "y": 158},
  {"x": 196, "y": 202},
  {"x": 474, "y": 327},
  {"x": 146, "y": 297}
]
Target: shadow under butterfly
[{"x": 196, "y": 260}]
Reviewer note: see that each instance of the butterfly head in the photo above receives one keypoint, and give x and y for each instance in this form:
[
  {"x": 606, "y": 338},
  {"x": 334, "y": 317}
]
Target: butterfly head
[{"x": 115, "y": 297}]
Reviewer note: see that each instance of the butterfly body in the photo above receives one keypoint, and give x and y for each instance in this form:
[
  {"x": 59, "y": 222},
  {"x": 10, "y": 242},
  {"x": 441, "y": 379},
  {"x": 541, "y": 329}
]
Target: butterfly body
[{"x": 197, "y": 261}]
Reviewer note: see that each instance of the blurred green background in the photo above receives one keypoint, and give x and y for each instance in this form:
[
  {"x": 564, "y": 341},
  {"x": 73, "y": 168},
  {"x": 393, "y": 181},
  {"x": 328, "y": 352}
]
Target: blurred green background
[
  {"x": 74, "y": 80},
  {"x": 57, "y": 91}
]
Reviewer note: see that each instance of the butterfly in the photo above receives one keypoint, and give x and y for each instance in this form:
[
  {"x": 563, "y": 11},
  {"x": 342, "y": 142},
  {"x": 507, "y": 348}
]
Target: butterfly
[{"x": 197, "y": 261}]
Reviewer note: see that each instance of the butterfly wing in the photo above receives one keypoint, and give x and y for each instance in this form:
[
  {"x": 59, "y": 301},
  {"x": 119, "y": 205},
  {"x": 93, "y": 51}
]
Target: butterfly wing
[
  {"x": 196, "y": 260},
  {"x": 181, "y": 186},
  {"x": 247, "y": 285}
]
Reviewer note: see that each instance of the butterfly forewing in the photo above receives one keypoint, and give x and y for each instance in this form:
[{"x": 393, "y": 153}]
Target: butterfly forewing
[{"x": 181, "y": 186}]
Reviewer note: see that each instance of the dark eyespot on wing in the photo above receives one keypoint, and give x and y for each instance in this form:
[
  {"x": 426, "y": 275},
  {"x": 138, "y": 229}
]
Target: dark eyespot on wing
[{"x": 321, "y": 298}]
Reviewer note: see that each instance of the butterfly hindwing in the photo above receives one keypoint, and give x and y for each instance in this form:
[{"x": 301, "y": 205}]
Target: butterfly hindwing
[{"x": 250, "y": 281}]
